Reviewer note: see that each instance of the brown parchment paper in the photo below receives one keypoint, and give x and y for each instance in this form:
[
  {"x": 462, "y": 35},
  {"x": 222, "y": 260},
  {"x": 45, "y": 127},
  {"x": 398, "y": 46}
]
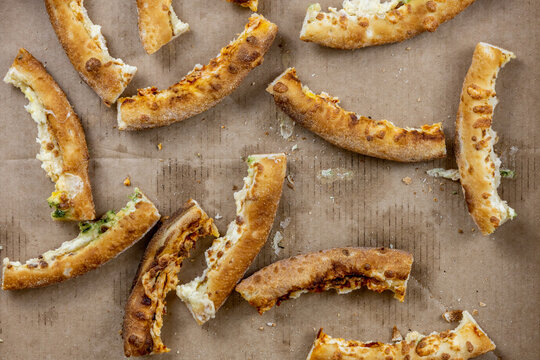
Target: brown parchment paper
[{"x": 411, "y": 83}]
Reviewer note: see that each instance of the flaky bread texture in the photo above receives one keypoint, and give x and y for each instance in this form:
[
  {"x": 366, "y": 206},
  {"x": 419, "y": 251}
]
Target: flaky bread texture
[
  {"x": 343, "y": 269},
  {"x": 251, "y": 4},
  {"x": 84, "y": 253},
  {"x": 204, "y": 86},
  {"x": 158, "y": 24},
  {"x": 64, "y": 152},
  {"x": 322, "y": 115},
  {"x": 466, "y": 341},
  {"x": 477, "y": 162},
  {"x": 86, "y": 49},
  {"x": 158, "y": 274},
  {"x": 356, "y": 27},
  {"x": 230, "y": 256}
]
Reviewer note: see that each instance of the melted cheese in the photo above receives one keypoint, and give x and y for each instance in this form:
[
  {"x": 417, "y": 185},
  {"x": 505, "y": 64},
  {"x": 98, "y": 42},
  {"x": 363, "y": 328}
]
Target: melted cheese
[{"x": 368, "y": 7}]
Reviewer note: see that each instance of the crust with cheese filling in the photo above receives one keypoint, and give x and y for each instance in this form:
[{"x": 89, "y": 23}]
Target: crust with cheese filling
[
  {"x": 251, "y": 4},
  {"x": 342, "y": 269},
  {"x": 362, "y": 23},
  {"x": 86, "y": 49},
  {"x": 322, "y": 115},
  {"x": 466, "y": 341},
  {"x": 230, "y": 256},
  {"x": 158, "y": 24},
  {"x": 63, "y": 151},
  {"x": 158, "y": 274},
  {"x": 204, "y": 86},
  {"x": 97, "y": 243},
  {"x": 479, "y": 165}
]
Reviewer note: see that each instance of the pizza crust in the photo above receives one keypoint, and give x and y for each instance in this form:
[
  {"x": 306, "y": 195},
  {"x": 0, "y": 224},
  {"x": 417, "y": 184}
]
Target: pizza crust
[
  {"x": 230, "y": 256},
  {"x": 86, "y": 49},
  {"x": 158, "y": 24},
  {"x": 157, "y": 275},
  {"x": 343, "y": 269},
  {"x": 102, "y": 241},
  {"x": 477, "y": 162},
  {"x": 466, "y": 341},
  {"x": 358, "y": 24},
  {"x": 204, "y": 86},
  {"x": 251, "y": 4},
  {"x": 63, "y": 152},
  {"x": 322, "y": 115}
]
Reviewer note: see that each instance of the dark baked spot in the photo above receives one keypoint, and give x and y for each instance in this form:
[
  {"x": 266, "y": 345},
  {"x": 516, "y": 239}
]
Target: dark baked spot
[
  {"x": 252, "y": 40},
  {"x": 369, "y": 137},
  {"x": 50, "y": 146},
  {"x": 139, "y": 315},
  {"x": 92, "y": 64},
  {"x": 216, "y": 86},
  {"x": 363, "y": 22},
  {"x": 345, "y": 252},
  {"x": 494, "y": 220},
  {"x": 146, "y": 300},
  {"x": 154, "y": 106},
  {"x": 280, "y": 87},
  {"x": 43, "y": 264},
  {"x": 367, "y": 267},
  {"x": 431, "y": 6},
  {"x": 353, "y": 119},
  {"x": 469, "y": 346},
  {"x": 477, "y": 93},
  {"x": 247, "y": 56},
  {"x": 445, "y": 356},
  {"x": 482, "y": 123},
  {"x": 430, "y": 23},
  {"x": 319, "y": 16},
  {"x": 232, "y": 69},
  {"x": 127, "y": 101},
  {"x": 145, "y": 118},
  {"x": 239, "y": 220},
  {"x": 389, "y": 274},
  {"x": 483, "y": 109}
]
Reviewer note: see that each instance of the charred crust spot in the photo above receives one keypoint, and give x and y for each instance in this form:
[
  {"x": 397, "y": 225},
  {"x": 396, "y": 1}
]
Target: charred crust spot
[
  {"x": 257, "y": 278},
  {"x": 30, "y": 266},
  {"x": 127, "y": 101},
  {"x": 381, "y": 134},
  {"x": 367, "y": 267},
  {"x": 319, "y": 16},
  {"x": 280, "y": 87},
  {"x": 50, "y": 146},
  {"x": 369, "y": 137},
  {"x": 494, "y": 220},
  {"x": 252, "y": 40},
  {"x": 239, "y": 220},
  {"x": 431, "y": 6},
  {"x": 353, "y": 119},
  {"x": 485, "y": 196},
  {"x": 145, "y": 118},
  {"x": 363, "y": 22},
  {"x": 389, "y": 274},
  {"x": 232, "y": 69},
  {"x": 154, "y": 106},
  {"x": 345, "y": 252},
  {"x": 139, "y": 315},
  {"x": 228, "y": 244},
  {"x": 483, "y": 109},
  {"x": 399, "y": 135},
  {"x": 469, "y": 346},
  {"x": 430, "y": 24},
  {"x": 92, "y": 64},
  {"x": 247, "y": 56},
  {"x": 473, "y": 138},
  {"x": 43, "y": 264},
  {"x": 146, "y": 300},
  {"x": 445, "y": 356},
  {"x": 482, "y": 123},
  {"x": 215, "y": 87},
  {"x": 219, "y": 254}
]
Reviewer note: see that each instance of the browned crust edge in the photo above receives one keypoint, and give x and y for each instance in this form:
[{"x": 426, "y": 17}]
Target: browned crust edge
[
  {"x": 320, "y": 270},
  {"x": 168, "y": 248},
  {"x": 342, "y": 31},
  {"x": 203, "y": 87},
  {"x": 251, "y": 4},
  {"x": 322, "y": 115}
]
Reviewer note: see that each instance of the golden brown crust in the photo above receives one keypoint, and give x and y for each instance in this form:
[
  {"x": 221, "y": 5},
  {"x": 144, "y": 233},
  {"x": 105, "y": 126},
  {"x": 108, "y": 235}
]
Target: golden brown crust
[
  {"x": 343, "y": 269},
  {"x": 340, "y": 30},
  {"x": 157, "y": 275},
  {"x": 322, "y": 115},
  {"x": 107, "y": 76},
  {"x": 66, "y": 128},
  {"x": 478, "y": 164},
  {"x": 251, "y": 4},
  {"x": 156, "y": 27},
  {"x": 203, "y": 87},
  {"x": 467, "y": 341},
  {"x": 128, "y": 230}
]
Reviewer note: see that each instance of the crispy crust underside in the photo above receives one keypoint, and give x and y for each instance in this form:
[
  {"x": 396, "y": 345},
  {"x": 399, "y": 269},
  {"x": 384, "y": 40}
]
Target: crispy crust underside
[
  {"x": 466, "y": 341},
  {"x": 127, "y": 231},
  {"x": 337, "y": 29},
  {"x": 204, "y": 86},
  {"x": 66, "y": 129},
  {"x": 478, "y": 164},
  {"x": 107, "y": 76},
  {"x": 251, "y": 4},
  {"x": 322, "y": 115},
  {"x": 343, "y": 269},
  {"x": 157, "y": 275}
]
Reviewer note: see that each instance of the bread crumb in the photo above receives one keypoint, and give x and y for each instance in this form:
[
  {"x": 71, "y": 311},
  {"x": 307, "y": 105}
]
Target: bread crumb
[
  {"x": 475, "y": 312},
  {"x": 261, "y": 328},
  {"x": 159, "y": 146},
  {"x": 435, "y": 199},
  {"x": 396, "y": 335},
  {"x": 1, "y": 341},
  {"x": 127, "y": 181},
  {"x": 408, "y": 48},
  {"x": 453, "y": 315},
  {"x": 217, "y": 217},
  {"x": 419, "y": 99},
  {"x": 1, "y": 247},
  {"x": 407, "y": 180},
  {"x": 223, "y": 126},
  {"x": 290, "y": 182},
  {"x": 482, "y": 304},
  {"x": 271, "y": 324},
  {"x": 473, "y": 229},
  {"x": 460, "y": 231}
]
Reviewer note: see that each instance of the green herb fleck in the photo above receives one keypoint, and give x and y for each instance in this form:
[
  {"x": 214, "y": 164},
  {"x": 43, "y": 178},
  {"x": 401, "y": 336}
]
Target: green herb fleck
[
  {"x": 507, "y": 173},
  {"x": 85, "y": 226},
  {"x": 58, "y": 214}
]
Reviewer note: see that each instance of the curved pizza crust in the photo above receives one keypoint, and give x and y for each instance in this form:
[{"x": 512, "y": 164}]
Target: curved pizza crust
[
  {"x": 364, "y": 23},
  {"x": 251, "y": 4},
  {"x": 343, "y": 269},
  {"x": 63, "y": 153},
  {"x": 158, "y": 24},
  {"x": 97, "y": 243},
  {"x": 157, "y": 275},
  {"x": 477, "y": 162},
  {"x": 204, "y": 86},
  {"x": 322, "y": 115},
  {"x": 230, "y": 256},
  {"x": 466, "y": 341},
  {"x": 86, "y": 49}
]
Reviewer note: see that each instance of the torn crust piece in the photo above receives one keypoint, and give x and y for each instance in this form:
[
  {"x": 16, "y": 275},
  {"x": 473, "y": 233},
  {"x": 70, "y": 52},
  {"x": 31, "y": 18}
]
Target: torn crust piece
[
  {"x": 343, "y": 269},
  {"x": 63, "y": 152},
  {"x": 477, "y": 162},
  {"x": 158, "y": 274},
  {"x": 364, "y": 23},
  {"x": 467, "y": 341},
  {"x": 230, "y": 256},
  {"x": 204, "y": 86},
  {"x": 86, "y": 49},
  {"x": 97, "y": 243},
  {"x": 158, "y": 24},
  {"x": 322, "y": 115},
  {"x": 251, "y": 4}
]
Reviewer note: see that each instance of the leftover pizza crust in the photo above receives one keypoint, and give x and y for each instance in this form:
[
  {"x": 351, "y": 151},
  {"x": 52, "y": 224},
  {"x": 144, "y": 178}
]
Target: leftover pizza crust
[
  {"x": 322, "y": 115},
  {"x": 466, "y": 341},
  {"x": 63, "y": 152},
  {"x": 364, "y": 23},
  {"x": 97, "y": 243},
  {"x": 343, "y": 269},
  {"x": 158, "y": 24},
  {"x": 158, "y": 274},
  {"x": 204, "y": 86},
  {"x": 251, "y": 4},
  {"x": 86, "y": 49},
  {"x": 477, "y": 162},
  {"x": 230, "y": 256}
]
